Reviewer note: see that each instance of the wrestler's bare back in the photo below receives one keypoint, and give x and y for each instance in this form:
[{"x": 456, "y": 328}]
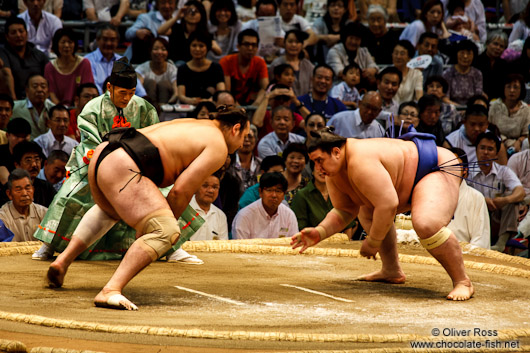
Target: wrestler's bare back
[
  {"x": 377, "y": 169},
  {"x": 181, "y": 141}
]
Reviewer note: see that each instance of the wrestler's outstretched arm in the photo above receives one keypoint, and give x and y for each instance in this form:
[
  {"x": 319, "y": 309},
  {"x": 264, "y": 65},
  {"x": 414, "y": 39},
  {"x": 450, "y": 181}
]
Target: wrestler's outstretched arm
[
  {"x": 376, "y": 186},
  {"x": 188, "y": 182},
  {"x": 335, "y": 221}
]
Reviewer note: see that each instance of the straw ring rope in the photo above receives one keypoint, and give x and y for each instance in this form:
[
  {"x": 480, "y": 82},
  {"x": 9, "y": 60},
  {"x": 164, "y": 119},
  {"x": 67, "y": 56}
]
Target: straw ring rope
[{"x": 255, "y": 246}]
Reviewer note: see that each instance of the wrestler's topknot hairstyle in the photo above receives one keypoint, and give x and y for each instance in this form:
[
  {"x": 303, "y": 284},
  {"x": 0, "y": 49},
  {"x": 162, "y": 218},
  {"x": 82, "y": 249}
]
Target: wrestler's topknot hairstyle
[
  {"x": 229, "y": 116},
  {"x": 325, "y": 139}
]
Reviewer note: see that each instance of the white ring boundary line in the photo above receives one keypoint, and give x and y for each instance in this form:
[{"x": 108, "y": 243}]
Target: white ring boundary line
[
  {"x": 210, "y": 295},
  {"x": 318, "y": 293}
]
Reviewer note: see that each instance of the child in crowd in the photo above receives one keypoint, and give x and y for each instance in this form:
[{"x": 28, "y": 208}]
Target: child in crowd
[
  {"x": 346, "y": 90},
  {"x": 449, "y": 116},
  {"x": 283, "y": 74},
  {"x": 459, "y": 23}
]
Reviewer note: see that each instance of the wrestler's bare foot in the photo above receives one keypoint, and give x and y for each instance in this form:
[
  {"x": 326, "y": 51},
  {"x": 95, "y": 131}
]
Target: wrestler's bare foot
[
  {"x": 461, "y": 291},
  {"x": 397, "y": 277},
  {"x": 55, "y": 275},
  {"x": 113, "y": 299}
]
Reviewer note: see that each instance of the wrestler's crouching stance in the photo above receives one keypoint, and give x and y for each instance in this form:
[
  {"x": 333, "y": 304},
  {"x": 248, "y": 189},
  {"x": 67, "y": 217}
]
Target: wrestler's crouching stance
[
  {"x": 373, "y": 179},
  {"x": 121, "y": 192}
]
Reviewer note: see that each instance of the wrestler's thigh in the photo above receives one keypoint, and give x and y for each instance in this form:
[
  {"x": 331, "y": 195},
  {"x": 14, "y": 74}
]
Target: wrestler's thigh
[
  {"x": 97, "y": 195},
  {"x": 435, "y": 198},
  {"x": 133, "y": 197}
]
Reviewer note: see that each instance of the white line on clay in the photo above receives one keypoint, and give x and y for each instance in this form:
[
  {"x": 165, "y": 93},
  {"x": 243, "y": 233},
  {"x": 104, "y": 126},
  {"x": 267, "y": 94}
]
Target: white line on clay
[
  {"x": 318, "y": 293},
  {"x": 210, "y": 295}
]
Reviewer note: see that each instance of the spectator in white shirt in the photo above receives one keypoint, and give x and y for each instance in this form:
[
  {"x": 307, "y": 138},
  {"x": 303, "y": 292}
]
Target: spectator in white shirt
[
  {"x": 276, "y": 141},
  {"x": 55, "y": 138},
  {"x": 266, "y": 217},
  {"x": 215, "y": 226}
]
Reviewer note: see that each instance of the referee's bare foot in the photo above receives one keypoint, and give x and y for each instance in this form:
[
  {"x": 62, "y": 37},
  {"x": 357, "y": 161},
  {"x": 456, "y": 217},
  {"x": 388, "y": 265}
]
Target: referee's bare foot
[{"x": 55, "y": 275}]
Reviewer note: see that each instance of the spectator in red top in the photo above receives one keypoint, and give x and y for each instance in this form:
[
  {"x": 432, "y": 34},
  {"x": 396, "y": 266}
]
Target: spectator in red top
[{"x": 246, "y": 75}]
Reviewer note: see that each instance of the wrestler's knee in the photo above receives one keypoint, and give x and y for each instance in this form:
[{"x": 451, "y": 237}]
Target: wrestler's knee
[
  {"x": 426, "y": 226},
  {"x": 437, "y": 239},
  {"x": 160, "y": 231}
]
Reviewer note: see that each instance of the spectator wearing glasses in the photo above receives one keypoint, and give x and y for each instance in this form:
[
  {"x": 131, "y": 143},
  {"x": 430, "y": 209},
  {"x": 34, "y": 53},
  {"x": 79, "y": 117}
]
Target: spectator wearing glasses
[
  {"x": 55, "y": 138},
  {"x": 266, "y": 217},
  {"x": 246, "y": 165}
]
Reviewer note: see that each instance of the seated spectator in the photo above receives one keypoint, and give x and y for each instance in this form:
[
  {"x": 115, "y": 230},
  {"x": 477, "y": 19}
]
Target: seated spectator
[
  {"x": 214, "y": 226},
  {"x": 459, "y": 23},
  {"x": 345, "y": 91},
  {"x": 318, "y": 101},
  {"x": 449, "y": 115},
  {"x": 475, "y": 12},
  {"x": 20, "y": 58},
  {"x": 276, "y": 141},
  {"x": 266, "y": 217},
  {"x": 349, "y": 50},
  {"x": 283, "y": 74},
  {"x": 494, "y": 68},
  {"x": 269, "y": 164},
  {"x": 279, "y": 95},
  {"x": 6, "y": 112},
  {"x": 520, "y": 166},
  {"x": 428, "y": 45},
  {"x": 511, "y": 114},
  {"x": 21, "y": 215},
  {"x": 224, "y": 98},
  {"x": 245, "y": 165},
  {"x": 501, "y": 188},
  {"x": 203, "y": 110},
  {"x": 18, "y": 130},
  {"x": 111, "y": 11},
  {"x": 55, "y": 138},
  {"x": 245, "y": 74},
  {"x": 229, "y": 193},
  {"x": 328, "y": 27},
  {"x": 102, "y": 59},
  {"x": 267, "y": 10},
  {"x": 464, "y": 80},
  {"x": 411, "y": 87},
  {"x": 145, "y": 30},
  {"x": 312, "y": 203},
  {"x": 431, "y": 20},
  {"x": 294, "y": 56},
  {"x": 360, "y": 123},
  {"x": 474, "y": 123},
  {"x": 83, "y": 94},
  {"x": 380, "y": 38},
  {"x": 54, "y": 169},
  {"x": 34, "y": 109},
  {"x": 388, "y": 82},
  {"x": 158, "y": 75},
  {"x": 521, "y": 28},
  {"x": 192, "y": 17},
  {"x": 41, "y": 25},
  {"x": 200, "y": 77},
  {"x": 313, "y": 122},
  {"x": 470, "y": 222},
  {"x": 390, "y": 5},
  {"x": 288, "y": 10},
  {"x": 295, "y": 157},
  {"x": 28, "y": 155},
  {"x": 430, "y": 109},
  {"x": 408, "y": 114},
  {"x": 68, "y": 71},
  {"x": 224, "y": 28}
]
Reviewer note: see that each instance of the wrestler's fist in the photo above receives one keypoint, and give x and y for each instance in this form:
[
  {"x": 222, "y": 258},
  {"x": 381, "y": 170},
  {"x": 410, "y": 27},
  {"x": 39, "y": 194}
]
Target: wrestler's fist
[
  {"x": 306, "y": 238},
  {"x": 367, "y": 250}
]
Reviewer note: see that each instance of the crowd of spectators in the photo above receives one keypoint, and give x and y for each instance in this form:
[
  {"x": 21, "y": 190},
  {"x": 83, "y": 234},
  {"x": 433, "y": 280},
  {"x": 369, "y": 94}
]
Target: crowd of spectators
[{"x": 297, "y": 66}]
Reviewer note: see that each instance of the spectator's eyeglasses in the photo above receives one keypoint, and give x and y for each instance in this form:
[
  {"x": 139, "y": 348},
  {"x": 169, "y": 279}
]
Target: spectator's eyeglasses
[{"x": 249, "y": 45}]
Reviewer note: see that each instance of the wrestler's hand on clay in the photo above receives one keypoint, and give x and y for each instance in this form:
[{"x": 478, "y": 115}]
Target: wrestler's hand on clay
[
  {"x": 306, "y": 238},
  {"x": 367, "y": 250}
]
